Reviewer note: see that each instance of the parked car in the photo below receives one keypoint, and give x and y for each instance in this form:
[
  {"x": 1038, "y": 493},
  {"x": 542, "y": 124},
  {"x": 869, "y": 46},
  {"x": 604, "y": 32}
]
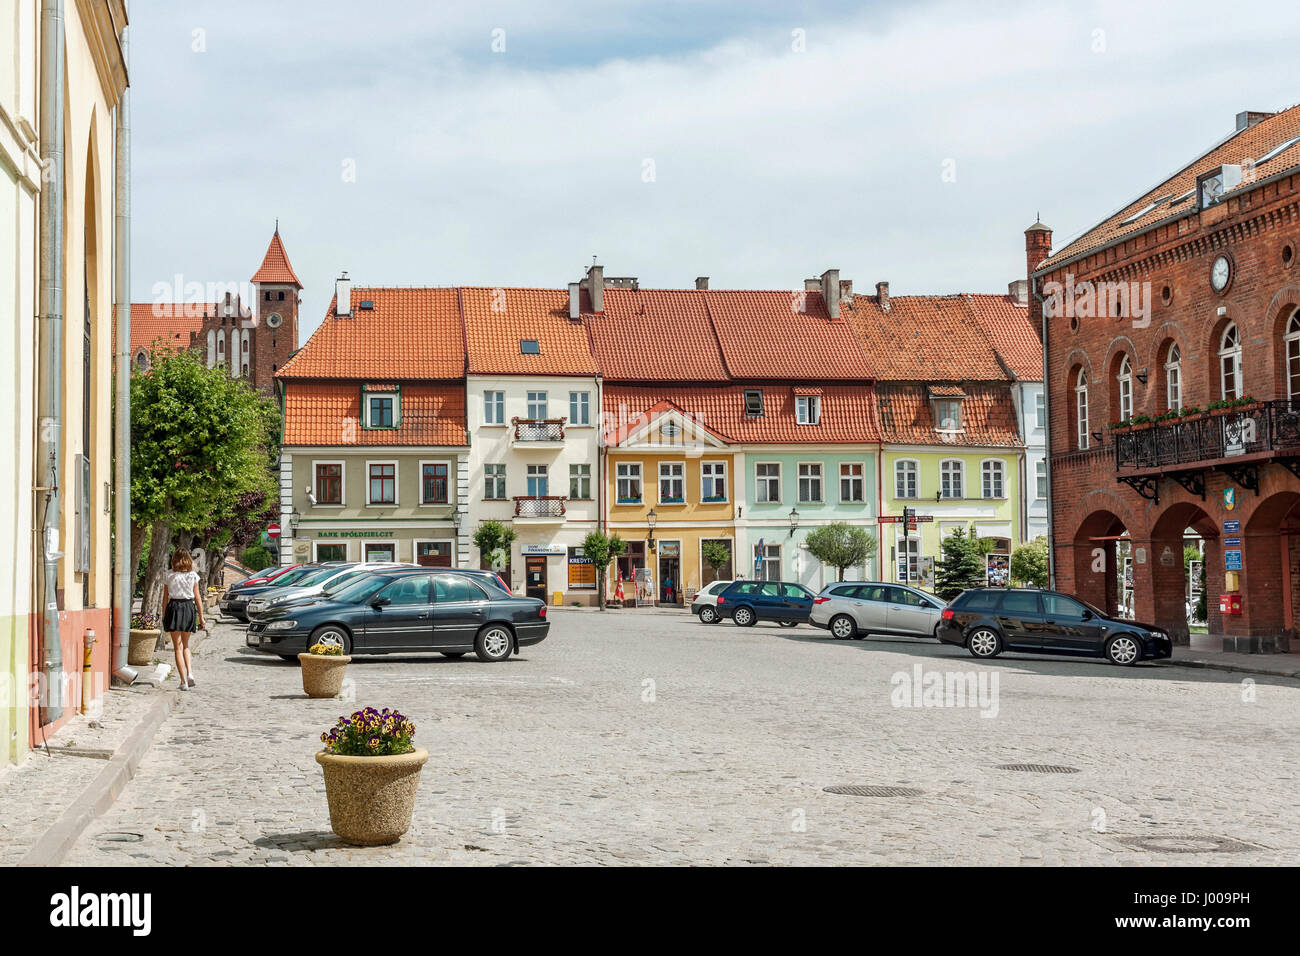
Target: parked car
[
  {"x": 234, "y": 603},
  {"x": 265, "y": 575},
  {"x": 747, "y": 602},
  {"x": 705, "y": 605},
  {"x": 851, "y": 610},
  {"x": 330, "y": 578},
  {"x": 406, "y": 611},
  {"x": 988, "y": 621}
]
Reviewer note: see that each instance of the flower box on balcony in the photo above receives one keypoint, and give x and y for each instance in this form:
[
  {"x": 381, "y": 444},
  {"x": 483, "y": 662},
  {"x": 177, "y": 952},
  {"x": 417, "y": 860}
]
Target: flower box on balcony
[
  {"x": 672, "y": 501},
  {"x": 629, "y": 501},
  {"x": 714, "y": 499}
]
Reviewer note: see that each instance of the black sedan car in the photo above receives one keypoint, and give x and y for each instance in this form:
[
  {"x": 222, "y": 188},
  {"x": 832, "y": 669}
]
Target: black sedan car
[
  {"x": 234, "y": 603},
  {"x": 988, "y": 621},
  {"x": 747, "y": 602},
  {"x": 407, "y": 611}
]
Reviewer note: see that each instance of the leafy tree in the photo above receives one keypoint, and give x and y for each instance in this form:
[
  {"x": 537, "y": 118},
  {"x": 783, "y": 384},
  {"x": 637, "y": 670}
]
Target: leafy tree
[
  {"x": 493, "y": 540},
  {"x": 717, "y": 555},
  {"x": 840, "y": 545},
  {"x": 961, "y": 567},
  {"x": 255, "y": 557},
  {"x": 602, "y": 549},
  {"x": 200, "y": 440},
  {"x": 1029, "y": 563}
]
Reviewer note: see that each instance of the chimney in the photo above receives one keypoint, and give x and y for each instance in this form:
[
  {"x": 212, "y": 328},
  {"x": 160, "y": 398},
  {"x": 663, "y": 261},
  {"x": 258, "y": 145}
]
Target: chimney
[
  {"x": 882, "y": 295},
  {"x": 343, "y": 293},
  {"x": 831, "y": 291},
  {"x": 1019, "y": 290},
  {"x": 1038, "y": 246},
  {"x": 701, "y": 282},
  {"x": 812, "y": 285},
  {"x": 1249, "y": 118},
  {"x": 575, "y": 310},
  {"x": 846, "y": 290},
  {"x": 596, "y": 287}
]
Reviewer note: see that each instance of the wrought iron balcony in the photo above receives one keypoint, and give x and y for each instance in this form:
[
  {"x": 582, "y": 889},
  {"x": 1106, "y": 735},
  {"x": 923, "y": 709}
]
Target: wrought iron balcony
[
  {"x": 539, "y": 506},
  {"x": 1235, "y": 441},
  {"x": 538, "y": 429}
]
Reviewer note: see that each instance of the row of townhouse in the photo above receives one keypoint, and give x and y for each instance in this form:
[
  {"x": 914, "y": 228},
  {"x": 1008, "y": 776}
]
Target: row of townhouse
[{"x": 672, "y": 418}]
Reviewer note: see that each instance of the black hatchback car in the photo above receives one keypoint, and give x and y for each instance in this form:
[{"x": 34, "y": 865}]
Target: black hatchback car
[
  {"x": 408, "y": 611},
  {"x": 747, "y": 602},
  {"x": 988, "y": 621}
]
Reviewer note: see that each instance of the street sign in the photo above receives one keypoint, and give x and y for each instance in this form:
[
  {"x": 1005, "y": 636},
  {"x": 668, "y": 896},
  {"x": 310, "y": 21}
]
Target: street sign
[
  {"x": 1229, "y": 527},
  {"x": 273, "y": 531},
  {"x": 897, "y": 519},
  {"x": 1232, "y": 542},
  {"x": 1232, "y": 560}
]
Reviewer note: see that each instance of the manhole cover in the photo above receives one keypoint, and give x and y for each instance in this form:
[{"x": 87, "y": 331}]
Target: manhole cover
[
  {"x": 117, "y": 837},
  {"x": 1184, "y": 843},
  {"x": 860, "y": 791},
  {"x": 1037, "y": 768}
]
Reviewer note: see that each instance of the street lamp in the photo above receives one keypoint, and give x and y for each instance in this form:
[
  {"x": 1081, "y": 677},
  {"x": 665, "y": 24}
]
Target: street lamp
[
  {"x": 456, "y": 517},
  {"x": 650, "y": 520},
  {"x": 794, "y": 520},
  {"x": 293, "y": 521}
]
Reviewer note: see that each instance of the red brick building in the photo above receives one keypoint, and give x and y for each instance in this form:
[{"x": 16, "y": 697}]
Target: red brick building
[{"x": 1173, "y": 379}]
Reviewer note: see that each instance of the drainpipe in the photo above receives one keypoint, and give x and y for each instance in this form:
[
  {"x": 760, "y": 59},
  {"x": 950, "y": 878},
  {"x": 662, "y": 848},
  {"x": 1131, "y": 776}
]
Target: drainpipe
[
  {"x": 50, "y": 356},
  {"x": 123, "y": 573},
  {"x": 1047, "y": 436}
]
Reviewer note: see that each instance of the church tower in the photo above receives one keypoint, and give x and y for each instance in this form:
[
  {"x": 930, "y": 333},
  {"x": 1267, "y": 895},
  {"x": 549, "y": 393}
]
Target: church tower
[{"x": 275, "y": 335}]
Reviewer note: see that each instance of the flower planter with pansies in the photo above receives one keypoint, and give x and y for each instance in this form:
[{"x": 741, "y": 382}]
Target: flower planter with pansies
[
  {"x": 323, "y": 668},
  {"x": 372, "y": 774},
  {"x": 142, "y": 642}
]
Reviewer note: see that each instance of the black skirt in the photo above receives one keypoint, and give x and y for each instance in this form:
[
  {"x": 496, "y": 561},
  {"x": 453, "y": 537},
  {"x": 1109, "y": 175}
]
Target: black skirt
[{"x": 180, "y": 616}]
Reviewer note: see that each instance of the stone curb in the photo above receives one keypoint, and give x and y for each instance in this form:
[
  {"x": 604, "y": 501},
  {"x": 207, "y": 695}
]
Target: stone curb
[
  {"x": 108, "y": 784},
  {"x": 1232, "y": 668}
]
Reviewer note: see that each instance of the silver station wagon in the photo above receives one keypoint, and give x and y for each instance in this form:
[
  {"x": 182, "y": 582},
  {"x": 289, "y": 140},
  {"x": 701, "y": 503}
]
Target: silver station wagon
[{"x": 851, "y": 610}]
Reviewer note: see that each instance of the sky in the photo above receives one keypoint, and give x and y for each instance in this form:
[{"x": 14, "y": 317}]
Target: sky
[{"x": 757, "y": 143}]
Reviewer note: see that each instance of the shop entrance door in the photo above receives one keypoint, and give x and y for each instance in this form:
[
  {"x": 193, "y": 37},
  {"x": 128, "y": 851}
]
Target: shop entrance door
[
  {"x": 670, "y": 579},
  {"x": 535, "y": 577}
]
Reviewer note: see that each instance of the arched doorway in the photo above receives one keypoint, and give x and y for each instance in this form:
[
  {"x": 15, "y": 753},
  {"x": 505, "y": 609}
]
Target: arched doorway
[
  {"x": 1270, "y": 579},
  {"x": 1169, "y": 566},
  {"x": 1097, "y": 560}
]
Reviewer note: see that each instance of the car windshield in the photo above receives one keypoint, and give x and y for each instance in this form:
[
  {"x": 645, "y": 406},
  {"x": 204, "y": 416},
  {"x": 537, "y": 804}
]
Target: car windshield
[
  {"x": 336, "y": 584},
  {"x": 358, "y": 590},
  {"x": 316, "y": 577},
  {"x": 292, "y": 577}
]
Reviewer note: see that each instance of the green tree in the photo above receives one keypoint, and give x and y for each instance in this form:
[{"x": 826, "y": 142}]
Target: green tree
[
  {"x": 602, "y": 549},
  {"x": 493, "y": 540},
  {"x": 200, "y": 440},
  {"x": 255, "y": 557},
  {"x": 961, "y": 567},
  {"x": 839, "y": 545},
  {"x": 1029, "y": 563},
  {"x": 717, "y": 555}
]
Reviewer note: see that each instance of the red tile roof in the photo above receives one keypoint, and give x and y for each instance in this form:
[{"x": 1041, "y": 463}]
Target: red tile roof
[
  {"x": 164, "y": 325},
  {"x": 988, "y": 416},
  {"x": 1007, "y": 324},
  {"x": 497, "y": 320},
  {"x": 655, "y": 335},
  {"x": 409, "y": 334},
  {"x": 275, "y": 266},
  {"x": 329, "y": 413},
  {"x": 925, "y": 338},
  {"x": 1170, "y": 199},
  {"x": 848, "y": 413}
]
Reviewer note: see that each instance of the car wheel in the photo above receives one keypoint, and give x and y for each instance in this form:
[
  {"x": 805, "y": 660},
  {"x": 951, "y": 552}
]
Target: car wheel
[
  {"x": 843, "y": 627},
  {"x": 744, "y": 617},
  {"x": 984, "y": 642},
  {"x": 493, "y": 643},
  {"x": 708, "y": 615},
  {"x": 452, "y": 654},
  {"x": 1123, "y": 649},
  {"x": 332, "y": 634},
  {"x": 788, "y": 623}
]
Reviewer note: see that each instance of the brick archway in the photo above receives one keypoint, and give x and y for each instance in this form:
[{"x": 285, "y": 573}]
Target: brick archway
[
  {"x": 1168, "y": 598},
  {"x": 1096, "y": 565},
  {"x": 1271, "y": 572}
]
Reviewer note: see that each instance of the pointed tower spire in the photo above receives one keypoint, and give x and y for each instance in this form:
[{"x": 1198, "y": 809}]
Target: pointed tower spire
[{"x": 275, "y": 268}]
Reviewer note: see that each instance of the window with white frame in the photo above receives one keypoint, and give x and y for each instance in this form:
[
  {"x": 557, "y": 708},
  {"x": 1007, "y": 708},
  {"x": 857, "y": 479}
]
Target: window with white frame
[
  {"x": 539, "y": 482},
  {"x": 1081, "y": 409},
  {"x": 672, "y": 482},
  {"x": 1292, "y": 341},
  {"x": 1124, "y": 388},
  {"x": 905, "y": 480},
  {"x": 1040, "y": 409},
  {"x": 713, "y": 481},
  {"x": 1040, "y": 469},
  {"x": 951, "y": 484},
  {"x": 382, "y": 483},
  {"x": 1174, "y": 378},
  {"x": 494, "y": 482},
  {"x": 767, "y": 562},
  {"x": 853, "y": 484},
  {"x": 947, "y": 414},
  {"x": 767, "y": 479},
  {"x": 433, "y": 483},
  {"x": 381, "y": 410},
  {"x": 991, "y": 474},
  {"x": 627, "y": 482},
  {"x": 328, "y": 485},
  {"x": 808, "y": 409},
  {"x": 1230, "y": 363},
  {"x": 537, "y": 405},
  {"x": 579, "y": 408},
  {"x": 580, "y": 482},
  {"x": 810, "y": 482},
  {"x": 494, "y": 408}
]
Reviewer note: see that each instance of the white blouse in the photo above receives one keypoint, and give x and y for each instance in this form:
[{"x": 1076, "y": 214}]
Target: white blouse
[{"x": 180, "y": 584}]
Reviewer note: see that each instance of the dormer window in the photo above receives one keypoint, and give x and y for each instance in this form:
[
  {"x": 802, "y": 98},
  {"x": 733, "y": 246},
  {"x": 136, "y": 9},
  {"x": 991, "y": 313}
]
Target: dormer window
[
  {"x": 945, "y": 405},
  {"x": 381, "y": 406},
  {"x": 808, "y": 409},
  {"x": 754, "y": 402}
]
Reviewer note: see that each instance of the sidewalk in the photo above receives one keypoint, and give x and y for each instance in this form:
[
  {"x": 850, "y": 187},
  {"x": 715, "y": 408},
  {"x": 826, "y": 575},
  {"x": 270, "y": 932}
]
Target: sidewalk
[
  {"x": 68, "y": 780},
  {"x": 1206, "y": 651}
]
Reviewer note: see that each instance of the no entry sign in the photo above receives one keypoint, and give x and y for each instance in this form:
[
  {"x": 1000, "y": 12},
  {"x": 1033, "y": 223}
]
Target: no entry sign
[{"x": 273, "y": 531}]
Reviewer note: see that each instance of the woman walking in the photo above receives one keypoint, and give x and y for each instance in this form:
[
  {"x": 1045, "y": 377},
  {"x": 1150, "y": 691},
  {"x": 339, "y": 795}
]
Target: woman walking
[{"x": 182, "y": 612}]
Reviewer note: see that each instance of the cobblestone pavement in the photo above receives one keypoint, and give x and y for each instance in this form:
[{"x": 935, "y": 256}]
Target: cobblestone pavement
[{"x": 634, "y": 737}]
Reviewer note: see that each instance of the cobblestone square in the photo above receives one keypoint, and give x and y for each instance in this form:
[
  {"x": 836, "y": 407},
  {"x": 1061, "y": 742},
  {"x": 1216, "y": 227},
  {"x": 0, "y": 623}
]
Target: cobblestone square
[{"x": 635, "y": 737}]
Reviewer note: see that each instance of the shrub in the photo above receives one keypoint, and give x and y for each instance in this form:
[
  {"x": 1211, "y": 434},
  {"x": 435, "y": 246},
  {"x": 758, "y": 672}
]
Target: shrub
[
  {"x": 370, "y": 733},
  {"x": 255, "y": 557}
]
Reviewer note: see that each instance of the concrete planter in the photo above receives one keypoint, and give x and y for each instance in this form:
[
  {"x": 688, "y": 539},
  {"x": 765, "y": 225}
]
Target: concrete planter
[
  {"x": 322, "y": 674},
  {"x": 141, "y": 647},
  {"x": 371, "y": 798}
]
